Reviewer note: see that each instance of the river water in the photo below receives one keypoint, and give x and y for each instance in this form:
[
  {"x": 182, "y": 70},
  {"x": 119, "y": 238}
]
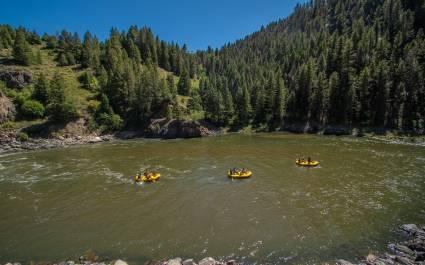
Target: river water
[{"x": 56, "y": 204}]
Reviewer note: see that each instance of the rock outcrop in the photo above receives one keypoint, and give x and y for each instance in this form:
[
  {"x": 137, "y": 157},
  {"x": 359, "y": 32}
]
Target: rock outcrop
[
  {"x": 16, "y": 79},
  {"x": 7, "y": 108},
  {"x": 169, "y": 129},
  {"x": 409, "y": 252}
]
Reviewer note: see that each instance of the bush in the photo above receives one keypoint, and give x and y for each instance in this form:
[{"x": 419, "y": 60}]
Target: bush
[
  {"x": 63, "y": 113},
  {"x": 32, "y": 109},
  {"x": 93, "y": 106},
  {"x": 110, "y": 122},
  {"x": 23, "y": 137},
  {"x": 90, "y": 82},
  {"x": 19, "y": 99}
]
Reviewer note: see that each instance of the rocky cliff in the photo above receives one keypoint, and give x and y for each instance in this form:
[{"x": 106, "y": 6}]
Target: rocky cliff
[
  {"x": 168, "y": 129},
  {"x": 7, "y": 108},
  {"x": 16, "y": 79}
]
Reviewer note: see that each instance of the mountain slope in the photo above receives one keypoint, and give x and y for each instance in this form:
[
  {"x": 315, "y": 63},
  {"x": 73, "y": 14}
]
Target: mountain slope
[
  {"x": 332, "y": 62},
  {"x": 355, "y": 63}
]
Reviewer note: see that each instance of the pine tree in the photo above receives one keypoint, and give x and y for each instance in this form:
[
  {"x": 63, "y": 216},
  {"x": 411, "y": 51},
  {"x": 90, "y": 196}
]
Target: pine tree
[
  {"x": 41, "y": 89},
  {"x": 6, "y": 40},
  {"x": 243, "y": 107},
  {"x": 278, "y": 107},
  {"x": 22, "y": 52},
  {"x": 90, "y": 54},
  {"x": 60, "y": 108},
  {"x": 184, "y": 84},
  {"x": 171, "y": 86}
]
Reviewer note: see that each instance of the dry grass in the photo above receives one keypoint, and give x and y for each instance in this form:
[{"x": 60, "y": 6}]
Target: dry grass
[{"x": 49, "y": 68}]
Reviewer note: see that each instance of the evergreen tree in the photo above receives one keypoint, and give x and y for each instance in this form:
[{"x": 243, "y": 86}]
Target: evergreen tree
[
  {"x": 184, "y": 84},
  {"x": 22, "y": 52},
  {"x": 243, "y": 107},
  {"x": 60, "y": 107},
  {"x": 171, "y": 86},
  {"x": 41, "y": 89},
  {"x": 90, "y": 54}
]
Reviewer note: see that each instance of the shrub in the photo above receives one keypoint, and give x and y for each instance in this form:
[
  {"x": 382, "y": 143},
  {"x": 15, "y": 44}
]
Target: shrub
[
  {"x": 23, "y": 137},
  {"x": 63, "y": 112},
  {"x": 110, "y": 122},
  {"x": 89, "y": 82},
  {"x": 32, "y": 109},
  {"x": 93, "y": 106},
  {"x": 19, "y": 99}
]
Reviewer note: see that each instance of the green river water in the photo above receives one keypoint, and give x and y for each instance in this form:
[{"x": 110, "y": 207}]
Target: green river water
[{"x": 55, "y": 204}]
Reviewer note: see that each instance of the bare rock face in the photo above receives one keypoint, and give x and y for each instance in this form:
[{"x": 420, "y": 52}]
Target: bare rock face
[
  {"x": 168, "y": 129},
  {"x": 16, "y": 79},
  {"x": 7, "y": 109}
]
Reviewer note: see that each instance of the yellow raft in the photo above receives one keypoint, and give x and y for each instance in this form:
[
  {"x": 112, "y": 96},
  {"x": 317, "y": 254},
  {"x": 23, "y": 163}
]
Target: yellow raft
[
  {"x": 151, "y": 178},
  {"x": 305, "y": 163},
  {"x": 239, "y": 175}
]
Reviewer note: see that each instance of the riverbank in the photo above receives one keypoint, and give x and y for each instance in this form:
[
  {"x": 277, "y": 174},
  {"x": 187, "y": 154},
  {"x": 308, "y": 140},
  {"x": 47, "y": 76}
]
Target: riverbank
[
  {"x": 46, "y": 136},
  {"x": 15, "y": 141},
  {"x": 409, "y": 252},
  {"x": 12, "y": 140}
]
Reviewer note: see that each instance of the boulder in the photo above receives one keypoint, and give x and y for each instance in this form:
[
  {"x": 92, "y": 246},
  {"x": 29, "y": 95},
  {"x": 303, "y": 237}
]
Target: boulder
[
  {"x": 379, "y": 262},
  {"x": 343, "y": 262},
  {"x": 169, "y": 129},
  {"x": 189, "y": 262},
  {"x": 412, "y": 229},
  {"x": 417, "y": 245},
  {"x": 420, "y": 256},
  {"x": 404, "y": 260},
  {"x": 95, "y": 139},
  {"x": 401, "y": 250},
  {"x": 7, "y": 108},
  {"x": 120, "y": 262},
  {"x": 176, "y": 261},
  {"x": 208, "y": 261},
  {"x": 128, "y": 134},
  {"x": 16, "y": 79}
]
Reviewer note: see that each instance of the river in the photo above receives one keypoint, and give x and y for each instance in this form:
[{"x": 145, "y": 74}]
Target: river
[{"x": 56, "y": 204}]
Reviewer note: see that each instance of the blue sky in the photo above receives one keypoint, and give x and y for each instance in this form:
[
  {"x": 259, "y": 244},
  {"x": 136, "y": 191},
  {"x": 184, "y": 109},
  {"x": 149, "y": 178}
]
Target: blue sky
[{"x": 197, "y": 23}]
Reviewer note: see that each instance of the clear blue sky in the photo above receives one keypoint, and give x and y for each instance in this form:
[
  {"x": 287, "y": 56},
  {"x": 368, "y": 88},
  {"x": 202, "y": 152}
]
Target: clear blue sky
[{"x": 198, "y": 23}]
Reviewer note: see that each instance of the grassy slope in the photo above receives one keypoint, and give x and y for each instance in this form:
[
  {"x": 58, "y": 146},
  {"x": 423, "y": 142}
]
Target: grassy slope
[
  {"x": 71, "y": 74},
  {"x": 49, "y": 68}
]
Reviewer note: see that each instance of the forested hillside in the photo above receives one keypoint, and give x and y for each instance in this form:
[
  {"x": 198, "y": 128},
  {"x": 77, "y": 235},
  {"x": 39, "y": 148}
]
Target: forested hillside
[
  {"x": 336, "y": 62},
  {"x": 358, "y": 63}
]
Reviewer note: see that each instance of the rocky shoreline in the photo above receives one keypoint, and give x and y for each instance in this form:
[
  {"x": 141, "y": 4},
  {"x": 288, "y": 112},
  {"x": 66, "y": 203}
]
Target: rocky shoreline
[
  {"x": 409, "y": 252},
  {"x": 94, "y": 260},
  {"x": 162, "y": 129},
  {"x": 77, "y": 134},
  {"x": 10, "y": 142}
]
